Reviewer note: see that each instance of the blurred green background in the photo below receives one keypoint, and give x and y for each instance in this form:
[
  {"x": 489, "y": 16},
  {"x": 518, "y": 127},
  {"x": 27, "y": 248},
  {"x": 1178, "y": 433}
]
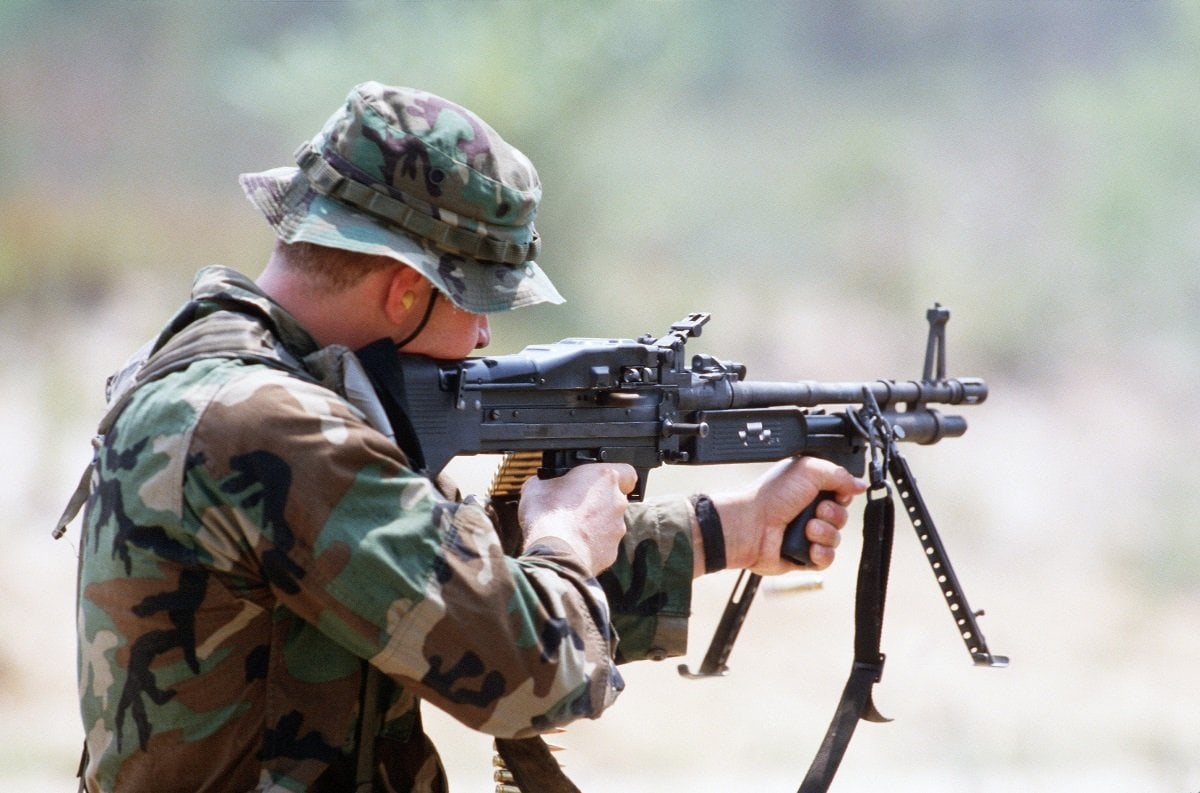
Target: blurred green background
[{"x": 815, "y": 174}]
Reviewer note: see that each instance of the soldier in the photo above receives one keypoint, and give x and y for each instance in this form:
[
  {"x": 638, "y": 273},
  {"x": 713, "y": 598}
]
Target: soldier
[{"x": 268, "y": 590}]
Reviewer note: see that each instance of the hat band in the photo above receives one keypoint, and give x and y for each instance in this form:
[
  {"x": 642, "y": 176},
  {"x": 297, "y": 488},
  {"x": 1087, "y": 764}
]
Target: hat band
[{"x": 327, "y": 180}]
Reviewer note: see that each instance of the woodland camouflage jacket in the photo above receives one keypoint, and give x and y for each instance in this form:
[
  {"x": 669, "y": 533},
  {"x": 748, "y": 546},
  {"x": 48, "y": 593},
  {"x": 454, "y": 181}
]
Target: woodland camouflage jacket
[{"x": 253, "y": 546}]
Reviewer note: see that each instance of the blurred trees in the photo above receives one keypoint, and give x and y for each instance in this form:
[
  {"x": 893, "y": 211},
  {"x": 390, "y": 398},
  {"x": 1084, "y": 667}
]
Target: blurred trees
[{"x": 870, "y": 151}]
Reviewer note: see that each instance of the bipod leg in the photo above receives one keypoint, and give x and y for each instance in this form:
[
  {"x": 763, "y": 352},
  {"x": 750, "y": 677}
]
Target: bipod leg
[
  {"x": 728, "y": 628},
  {"x": 935, "y": 552}
]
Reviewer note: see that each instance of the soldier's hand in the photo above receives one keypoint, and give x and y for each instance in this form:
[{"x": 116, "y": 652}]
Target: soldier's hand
[
  {"x": 585, "y": 507},
  {"x": 754, "y": 519}
]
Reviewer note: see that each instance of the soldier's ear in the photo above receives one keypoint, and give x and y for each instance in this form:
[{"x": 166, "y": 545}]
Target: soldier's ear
[{"x": 403, "y": 295}]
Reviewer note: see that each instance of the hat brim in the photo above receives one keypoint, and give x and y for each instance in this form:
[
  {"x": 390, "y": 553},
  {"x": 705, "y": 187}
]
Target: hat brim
[{"x": 298, "y": 213}]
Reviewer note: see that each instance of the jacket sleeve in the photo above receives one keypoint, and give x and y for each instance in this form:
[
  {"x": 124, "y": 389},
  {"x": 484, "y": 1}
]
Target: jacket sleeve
[
  {"x": 650, "y": 586},
  {"x": 291, "y": 484}
]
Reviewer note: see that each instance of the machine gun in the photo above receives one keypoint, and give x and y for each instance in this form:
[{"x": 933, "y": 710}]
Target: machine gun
[{"x": 642, "y": 402}]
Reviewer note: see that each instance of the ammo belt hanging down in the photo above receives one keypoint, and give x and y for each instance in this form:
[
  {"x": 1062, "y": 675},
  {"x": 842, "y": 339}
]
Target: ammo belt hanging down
[{"x": 522, "y": 765}]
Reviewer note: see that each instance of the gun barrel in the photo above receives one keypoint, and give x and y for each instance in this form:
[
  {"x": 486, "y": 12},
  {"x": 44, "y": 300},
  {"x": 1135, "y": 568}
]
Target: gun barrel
[
  {"x": 958, "y": 391},
  {"x": 927, "y": 426}
]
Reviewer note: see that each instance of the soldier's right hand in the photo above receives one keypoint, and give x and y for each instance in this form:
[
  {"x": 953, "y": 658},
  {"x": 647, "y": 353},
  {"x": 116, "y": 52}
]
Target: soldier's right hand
[{"x": 585, "y": 508}]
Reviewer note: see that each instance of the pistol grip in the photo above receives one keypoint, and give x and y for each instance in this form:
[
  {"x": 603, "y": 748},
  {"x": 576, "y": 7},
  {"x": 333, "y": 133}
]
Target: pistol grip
[
  {"x": 795, "y": 543},
  {"x": 556, "y": 463}
]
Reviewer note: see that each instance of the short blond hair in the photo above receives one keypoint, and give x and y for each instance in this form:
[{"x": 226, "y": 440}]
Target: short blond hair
[{"x": 333, "y": 269}]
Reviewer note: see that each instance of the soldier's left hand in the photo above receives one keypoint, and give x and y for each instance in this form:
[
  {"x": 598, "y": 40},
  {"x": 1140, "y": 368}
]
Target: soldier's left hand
[{"x": 754, "y": 518}]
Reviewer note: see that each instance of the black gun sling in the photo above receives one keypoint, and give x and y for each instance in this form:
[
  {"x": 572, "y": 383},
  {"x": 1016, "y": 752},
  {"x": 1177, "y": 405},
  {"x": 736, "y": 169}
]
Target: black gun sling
[{"x": 856, "y": 702}]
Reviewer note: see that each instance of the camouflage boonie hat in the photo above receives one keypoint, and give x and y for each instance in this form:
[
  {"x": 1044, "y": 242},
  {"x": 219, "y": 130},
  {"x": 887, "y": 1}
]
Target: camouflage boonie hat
[{"x": 403, "y": 173}]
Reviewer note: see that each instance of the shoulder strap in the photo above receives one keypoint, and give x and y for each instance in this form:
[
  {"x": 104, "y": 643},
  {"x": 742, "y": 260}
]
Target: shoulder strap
[{"x": 196, "y": 339}]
